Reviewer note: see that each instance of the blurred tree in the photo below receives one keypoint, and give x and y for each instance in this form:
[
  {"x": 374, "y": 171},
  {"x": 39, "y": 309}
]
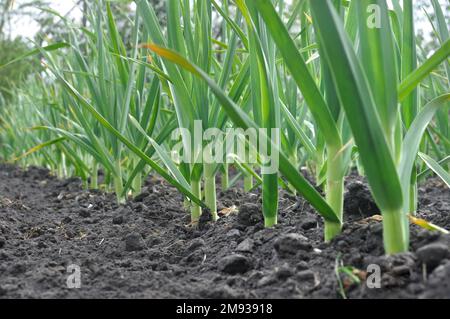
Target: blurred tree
[
  {"x": 13, "y": 76},
  {"x": 51, "y": 29},
  {"x": 427, "y": 39},
  {"x": 5, "y": 7}
]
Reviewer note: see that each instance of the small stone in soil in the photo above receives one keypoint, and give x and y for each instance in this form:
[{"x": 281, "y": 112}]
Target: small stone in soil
[
  {"x": 432, "y": 254},
  {"x": 235, "y": 264},
  {"x": 246, "y": 245},
  {"x": 196, "y": 243},
  {"x": 134, "y": 242},
  {"x": 309, "y": 223},
  {"x": 342, "y": 244},
  {"x": 305, "y": 275},
  {"x": 266, "y": 280},
  {"x": 303, "y": 265},
  {"x": 84, "y": 213},
  {"x": 290, "y": 244},
  {"x": 118, "y": 220},
  {"x": 428, "y": 236},
  {"x": 401, "y": 270},
  {"x": 403, "y": 259},
  {"x": 123, "y": 211},
  {"x": 249, "y": 214},
  {"x": 265, "y": 235},
  {"x": 284, "y": 272},
  {"x": 139, "y": 207},
  {"x": 234, "y": 233},
  {"x": 120, "y": 216},
  {"x": 66, "y": 220}
]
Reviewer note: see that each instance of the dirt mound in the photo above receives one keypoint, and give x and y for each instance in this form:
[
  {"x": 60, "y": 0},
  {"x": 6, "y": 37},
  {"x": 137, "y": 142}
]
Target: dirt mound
[{"x": 146, "y": 249}]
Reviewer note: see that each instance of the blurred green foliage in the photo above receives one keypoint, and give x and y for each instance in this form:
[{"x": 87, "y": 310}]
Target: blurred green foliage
[{"x": 12, "y": 76}]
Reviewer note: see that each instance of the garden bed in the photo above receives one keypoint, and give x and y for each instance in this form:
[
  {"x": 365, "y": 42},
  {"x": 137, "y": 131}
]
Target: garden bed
[{"x": 147, "y": 249}]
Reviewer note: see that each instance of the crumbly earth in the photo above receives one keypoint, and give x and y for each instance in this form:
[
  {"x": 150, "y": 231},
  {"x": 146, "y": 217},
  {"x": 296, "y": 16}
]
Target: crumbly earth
[{"x": 147, "y": 249}]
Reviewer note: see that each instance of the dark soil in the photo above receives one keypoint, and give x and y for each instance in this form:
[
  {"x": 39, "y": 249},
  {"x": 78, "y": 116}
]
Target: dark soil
[{"x": 146, "y": 248}]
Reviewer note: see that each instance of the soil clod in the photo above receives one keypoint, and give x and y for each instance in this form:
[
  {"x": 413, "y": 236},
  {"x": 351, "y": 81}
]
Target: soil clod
[
  {"x": 289, "y": 245},
  {"x": 309, "y": 223},
  {"x": 249, "y": 214},
  {"x": 235, "y": 264},
  {"x": 134, "y": 242},
  {"x": 118, "y": 220},
  {"x": 84, "y": 213},
  {"x": 359, "y": 201},
  {"x": 246, "y": 246},
  {"x": 432, "y": 254}
]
